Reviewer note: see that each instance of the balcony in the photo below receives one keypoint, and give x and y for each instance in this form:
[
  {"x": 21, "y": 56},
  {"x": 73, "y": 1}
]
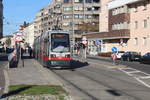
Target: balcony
[{"x": 118, "y": 3}]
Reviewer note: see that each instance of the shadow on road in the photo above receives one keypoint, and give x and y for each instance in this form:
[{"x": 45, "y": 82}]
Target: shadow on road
[{"x": 78, "y": 64}]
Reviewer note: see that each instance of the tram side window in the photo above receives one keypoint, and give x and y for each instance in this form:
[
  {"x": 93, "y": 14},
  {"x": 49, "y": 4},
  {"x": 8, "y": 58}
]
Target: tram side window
[{"x": 46, "y": 47}]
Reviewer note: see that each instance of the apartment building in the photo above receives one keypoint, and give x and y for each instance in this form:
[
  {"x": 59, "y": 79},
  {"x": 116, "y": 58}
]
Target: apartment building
[
  {"x": 29, "y": 34},
  {"x": 39, "y": 22},
  {"x": 1, "y": 18},
  {"x": 128, "y": 26},
  {"x": 69, "y": 15}
]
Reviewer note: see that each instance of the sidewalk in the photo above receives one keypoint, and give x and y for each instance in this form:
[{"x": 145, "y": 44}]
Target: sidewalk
[
  {"x": 2, "y": 81},
  {"x": 31, "y": 72}
]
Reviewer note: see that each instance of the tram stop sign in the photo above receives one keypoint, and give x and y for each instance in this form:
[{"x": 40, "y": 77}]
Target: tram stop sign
[
  {"x": 114, "y": 49},
  {"x": 18, "y": 38}
]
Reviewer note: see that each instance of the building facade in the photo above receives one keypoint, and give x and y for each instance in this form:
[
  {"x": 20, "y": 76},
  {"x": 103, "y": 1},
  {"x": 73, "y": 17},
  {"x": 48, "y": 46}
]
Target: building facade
[
  {"x": 128, "y": 26},
  {"x": 28, "y": 34},
  {"x": 1, "y": 18},
  {"x": 69, "y": 15}
]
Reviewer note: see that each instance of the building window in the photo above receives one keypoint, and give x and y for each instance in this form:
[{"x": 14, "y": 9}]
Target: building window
[
  {"x": 88, "y": 1},
  {"x": 88, "y": 9},
  {"x": 67, "y": 8},
  {"x": 65, "y": 24},
  {"x": 136, "y": 8},
  {"x": 66, "y": 1},
  {"x": 88, "y": 16},
  {"x": 77, "y": 16},
  {"x": 67, "y": 16},
  {"x": 136, "y": 41},
  {"x": 144, "y": 41},
  {"x": 136, "y": 24},
  {"x": 78, "y": 1},
  {"x": 144, "y": 6},
  {"x": 145, "y": 23}
]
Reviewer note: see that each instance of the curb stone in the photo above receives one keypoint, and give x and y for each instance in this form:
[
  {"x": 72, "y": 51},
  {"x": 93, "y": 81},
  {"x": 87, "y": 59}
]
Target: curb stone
[{"x": 6, "y": 78}]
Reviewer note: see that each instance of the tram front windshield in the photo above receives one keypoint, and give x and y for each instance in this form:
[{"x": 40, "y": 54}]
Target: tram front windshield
[{"x": 60, "y": 42}]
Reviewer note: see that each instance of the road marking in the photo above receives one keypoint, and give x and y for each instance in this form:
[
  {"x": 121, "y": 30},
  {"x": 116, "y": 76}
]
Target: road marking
[
  {"x": 132, "y": 71},
  {"x": 146, "y": 77},
  {"x": 117, "y": 66},
  {"x": 142, "y": 82}
]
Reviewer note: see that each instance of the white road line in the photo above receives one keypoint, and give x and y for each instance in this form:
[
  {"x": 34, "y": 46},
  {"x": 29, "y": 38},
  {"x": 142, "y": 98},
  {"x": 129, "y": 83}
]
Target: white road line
[
  {"x": 132, "y": 72},
  {"x": 142, "y": 82},
  {"x": 137, "y": 78},
  {"x": 128, "y": 68},
  {"x": 146, "y": 77},
  {"x": 122, "y": 69}
]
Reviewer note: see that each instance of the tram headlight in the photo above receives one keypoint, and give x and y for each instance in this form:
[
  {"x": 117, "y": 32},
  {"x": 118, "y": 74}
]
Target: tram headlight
[
  {"x": 53, "y": 55},
  {"x": 68, "y": 55}
]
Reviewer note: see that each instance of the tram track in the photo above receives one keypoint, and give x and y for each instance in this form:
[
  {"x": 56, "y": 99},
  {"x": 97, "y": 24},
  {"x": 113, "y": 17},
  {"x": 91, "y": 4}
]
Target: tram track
[
  {"x": 114, "y": 90},
  {"x": 75, "y": 86}
]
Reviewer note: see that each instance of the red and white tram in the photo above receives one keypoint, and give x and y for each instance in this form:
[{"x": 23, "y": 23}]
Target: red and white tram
[{"x": 52, "y": 49}]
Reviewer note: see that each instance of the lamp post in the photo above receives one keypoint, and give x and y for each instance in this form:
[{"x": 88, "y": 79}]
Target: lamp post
[{"x": 72, "y": 24}]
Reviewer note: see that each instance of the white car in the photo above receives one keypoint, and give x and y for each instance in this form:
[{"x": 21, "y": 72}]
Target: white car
[{"x": 119, "y": 54}]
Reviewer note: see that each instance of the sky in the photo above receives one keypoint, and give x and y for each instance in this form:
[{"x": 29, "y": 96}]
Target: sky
[{"x": 18, "y": 11}]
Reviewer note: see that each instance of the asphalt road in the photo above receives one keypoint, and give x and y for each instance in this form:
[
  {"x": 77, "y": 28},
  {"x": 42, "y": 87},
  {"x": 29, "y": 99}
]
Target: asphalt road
[
  {"x": 133, "y": 64},
  {"x": 100, "y": 80}
]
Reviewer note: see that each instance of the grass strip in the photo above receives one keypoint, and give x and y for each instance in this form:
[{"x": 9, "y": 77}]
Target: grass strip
[{"x": 36, "y": 90}]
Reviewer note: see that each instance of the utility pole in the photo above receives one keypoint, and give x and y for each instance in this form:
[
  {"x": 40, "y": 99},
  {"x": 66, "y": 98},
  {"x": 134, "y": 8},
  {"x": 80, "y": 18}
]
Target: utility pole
[{"x": 72, "y": 23}]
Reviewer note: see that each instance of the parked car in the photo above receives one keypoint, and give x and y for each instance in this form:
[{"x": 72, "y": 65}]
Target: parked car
[
  {"x": 131, "y": 56},
  {"x": 2, "y": 50},
  {"x": 119, "y": 54},
  {"x": 146, "y": 58}
]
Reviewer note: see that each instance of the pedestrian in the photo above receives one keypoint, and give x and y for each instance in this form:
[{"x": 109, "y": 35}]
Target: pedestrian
[
  {"x": 78, "y": 48},
  {"x": 22, "y": 52},
  {"x": 114, "y": 58},
  {"x": 30, "y": 51}
]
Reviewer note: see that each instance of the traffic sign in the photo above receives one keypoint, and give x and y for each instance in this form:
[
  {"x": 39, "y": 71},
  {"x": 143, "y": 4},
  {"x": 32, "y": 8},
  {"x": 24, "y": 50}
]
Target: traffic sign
[
  {"x": 84, "y": 38},
  {"x": 98, "y": 42},
  {"x": 18, "y": 38},
  {"x": 84, "y": 42},
  {"x": 114, "y": 49}
]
